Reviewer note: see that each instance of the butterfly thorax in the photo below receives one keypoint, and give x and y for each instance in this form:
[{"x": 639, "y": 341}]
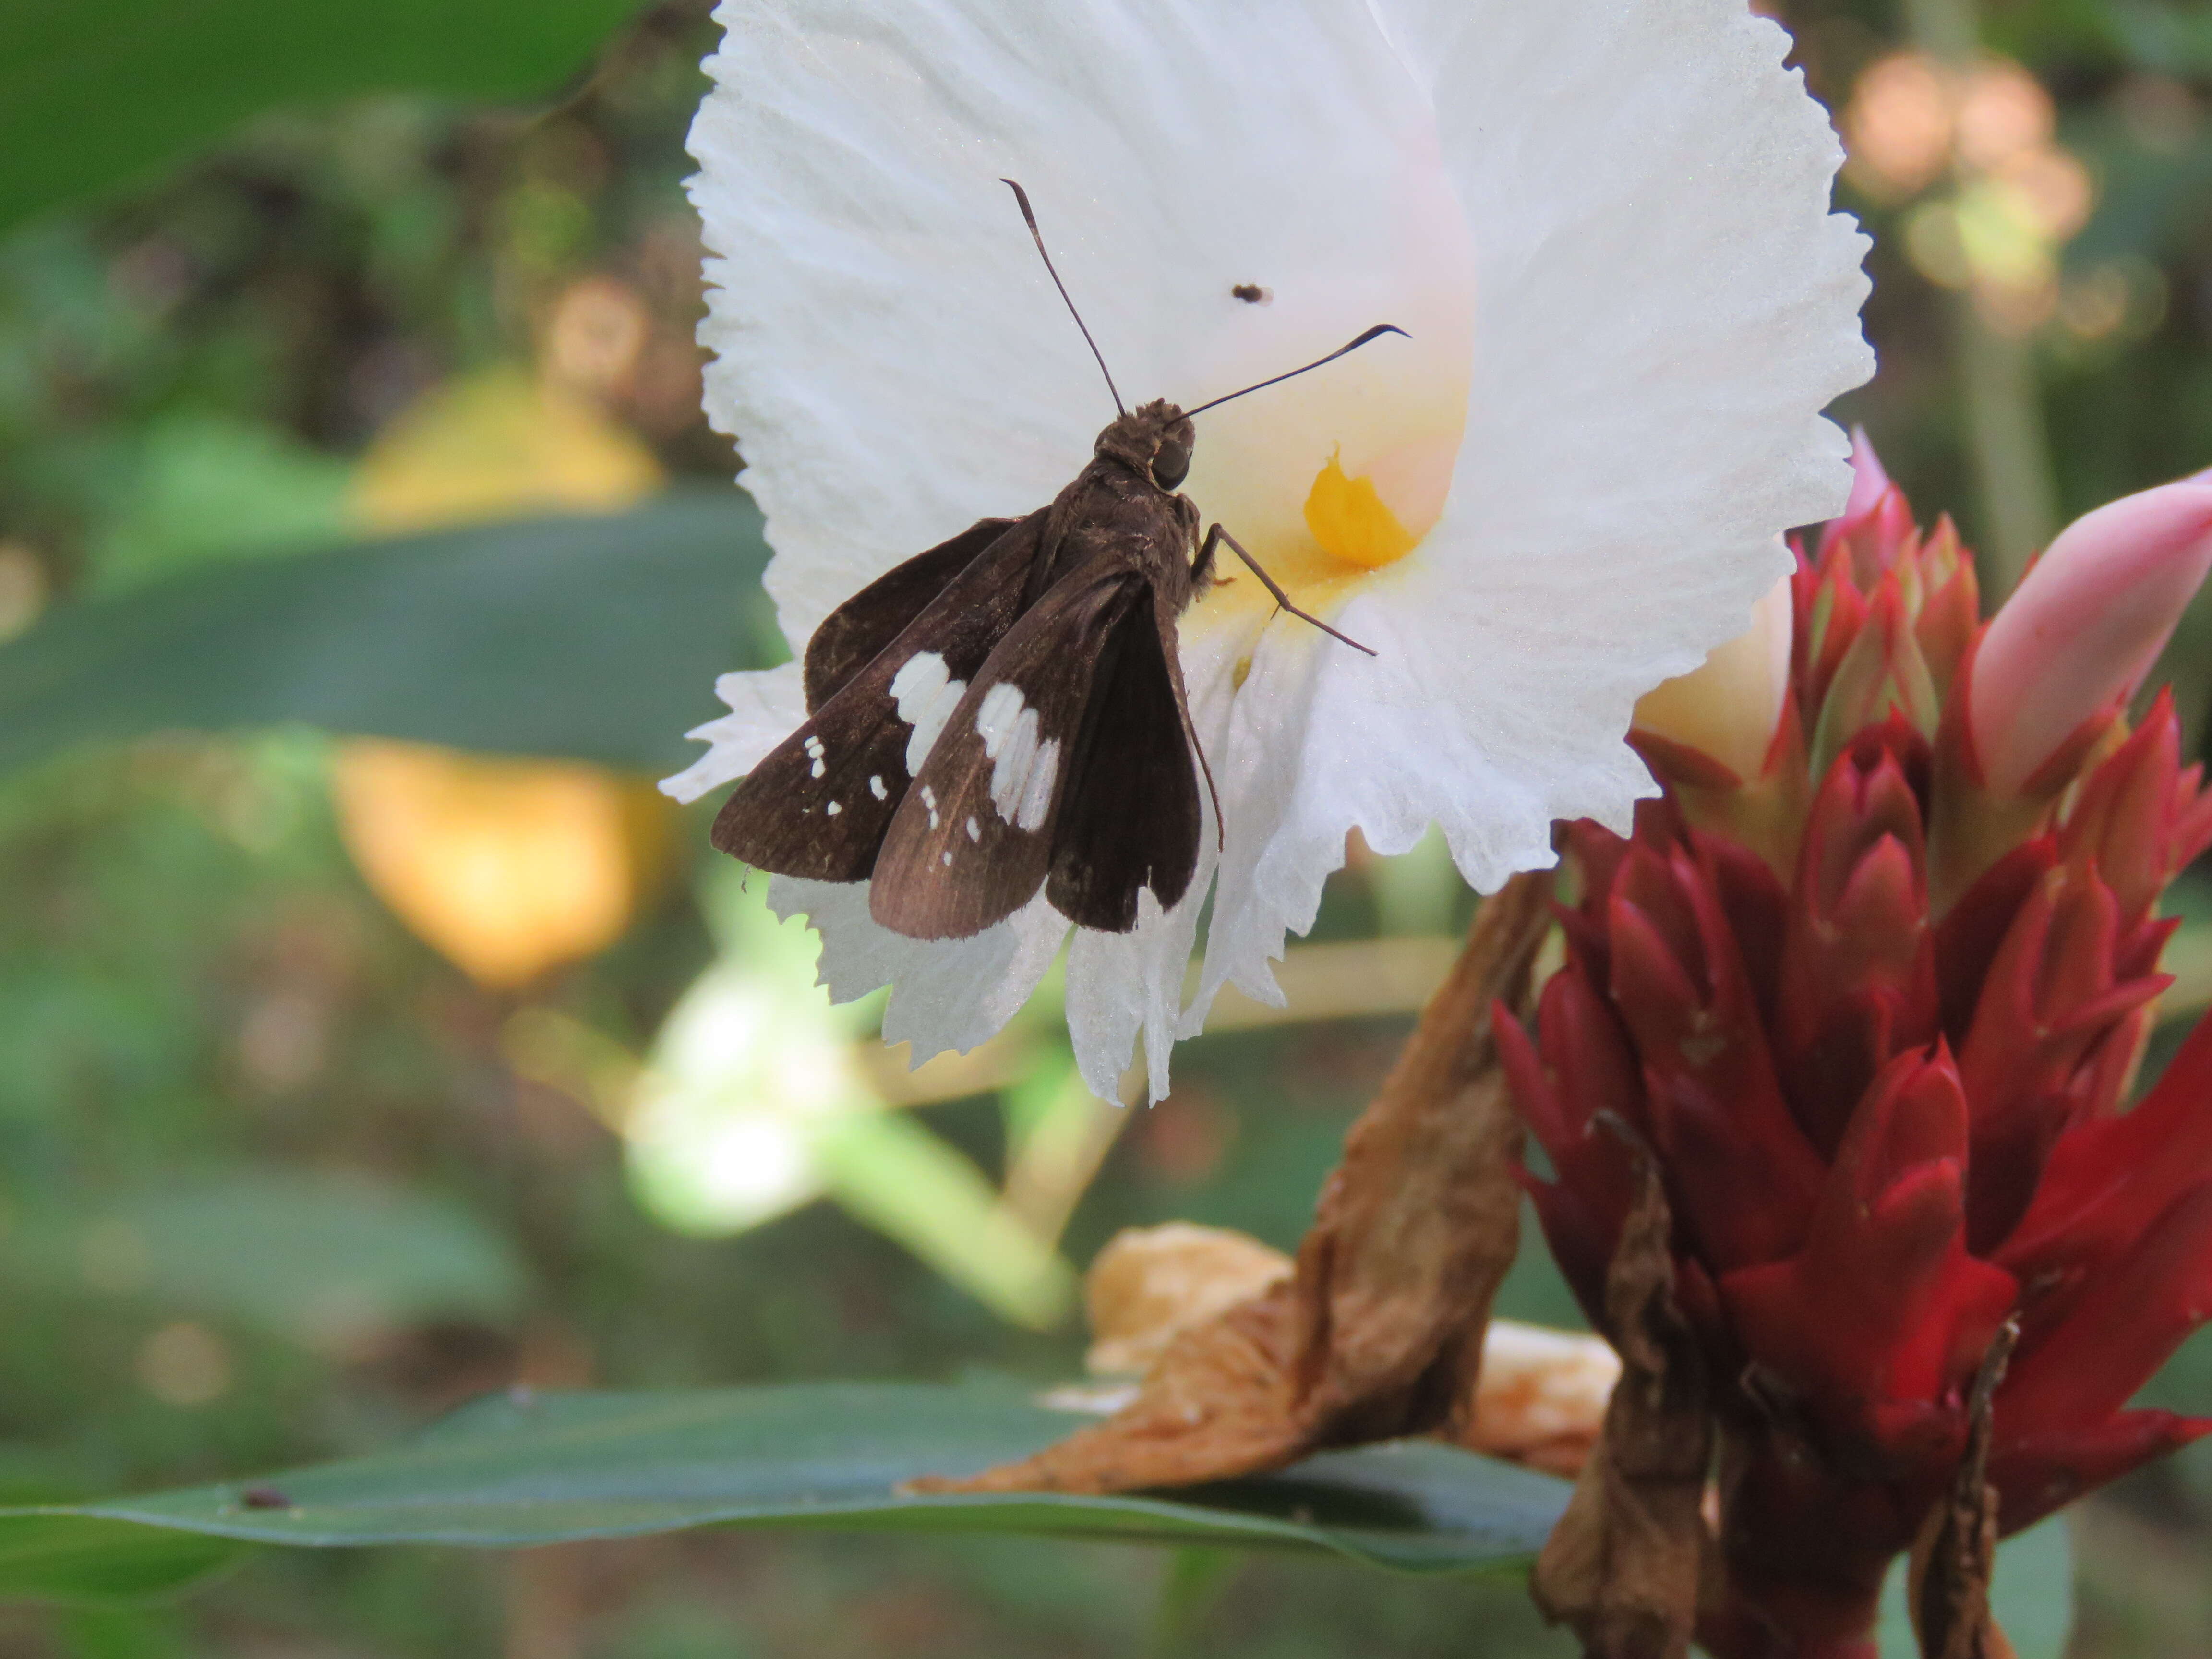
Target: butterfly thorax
[{"x": 1153, "y": 440}]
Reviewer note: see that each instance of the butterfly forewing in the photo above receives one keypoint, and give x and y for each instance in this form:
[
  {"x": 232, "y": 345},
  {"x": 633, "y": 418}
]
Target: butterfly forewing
[
  {"x": 1131, "y": 818},
  {"x": 820, "y": 802},
  {"x": 973, "y": 841},
  {"x": 853, "y": 634}
]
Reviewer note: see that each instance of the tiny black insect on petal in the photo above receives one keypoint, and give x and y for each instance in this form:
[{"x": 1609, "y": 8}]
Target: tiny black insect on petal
[
  {"x": 263, "y": 1498},
  {"x": 1251, "y": 294}
]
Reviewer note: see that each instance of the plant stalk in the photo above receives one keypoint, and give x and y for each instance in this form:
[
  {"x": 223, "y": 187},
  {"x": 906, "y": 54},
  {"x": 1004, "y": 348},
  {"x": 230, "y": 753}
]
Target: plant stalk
[{"x": 2006, "y": 432}]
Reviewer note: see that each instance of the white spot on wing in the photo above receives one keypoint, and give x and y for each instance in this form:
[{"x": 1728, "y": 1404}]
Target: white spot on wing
[
  {"x": 927, "y": 696},
  {"x": 1037, "y": 792},
  {"x": 876, "y": 787},
  {"x": 975, "y": 830},
  {"x": 833, "y": 809},
  {"x": 948, "y": 860},
  {"x": 920, "y": 675},
  {"x": 1022, "y": 768},
  {"x": 814, "y": 753},
  {"x": 929, "y": 800}
]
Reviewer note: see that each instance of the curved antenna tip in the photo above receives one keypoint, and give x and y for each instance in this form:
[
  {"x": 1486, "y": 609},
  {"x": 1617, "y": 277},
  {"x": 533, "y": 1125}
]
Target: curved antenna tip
[
  {"x": 1376, "y": 332},
  {"x": 1029, "y": 218}
]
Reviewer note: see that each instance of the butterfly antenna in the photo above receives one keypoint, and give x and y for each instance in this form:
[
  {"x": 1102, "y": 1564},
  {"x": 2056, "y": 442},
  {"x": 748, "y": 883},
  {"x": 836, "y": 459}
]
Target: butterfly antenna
[
  {"x": 1030, "y": 219},
  {"x": 1374, "y": 332}
]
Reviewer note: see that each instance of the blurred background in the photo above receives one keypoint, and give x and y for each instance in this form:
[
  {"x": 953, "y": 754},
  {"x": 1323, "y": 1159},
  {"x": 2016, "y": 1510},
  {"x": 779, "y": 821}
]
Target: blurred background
[{"x": 344, "y": 1077}]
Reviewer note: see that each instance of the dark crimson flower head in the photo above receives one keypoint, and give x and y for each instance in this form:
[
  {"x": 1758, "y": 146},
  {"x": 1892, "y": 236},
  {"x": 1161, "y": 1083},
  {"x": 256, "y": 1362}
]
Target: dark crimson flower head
[{"x": 1872, "y": 989}]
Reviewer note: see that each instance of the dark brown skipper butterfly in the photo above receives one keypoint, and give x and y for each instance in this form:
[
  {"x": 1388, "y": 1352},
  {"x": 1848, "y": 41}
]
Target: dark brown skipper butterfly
[{"x": 1005, "y": 712}]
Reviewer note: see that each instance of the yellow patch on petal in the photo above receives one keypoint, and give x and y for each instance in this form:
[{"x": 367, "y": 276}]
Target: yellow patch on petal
[{"x": 1348, "y": 518}]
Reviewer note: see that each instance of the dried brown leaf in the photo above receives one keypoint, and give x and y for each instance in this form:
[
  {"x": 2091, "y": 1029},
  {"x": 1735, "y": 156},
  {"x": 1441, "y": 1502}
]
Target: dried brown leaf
[
  {"x": 1622, "y": 1566},
  {"x": 1956, "y": 1552},
  {"x": 1379, "y": 1332},
  {"x": 1150, "y": 1285}
]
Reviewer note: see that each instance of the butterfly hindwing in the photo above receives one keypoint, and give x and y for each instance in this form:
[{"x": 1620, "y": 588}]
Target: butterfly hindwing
[
  {"x": 974, "y": 839},
  {"x": 853, "y": 634},
  {"x": 819, "y": 805},
  {"x": 1130, "y": 819}
]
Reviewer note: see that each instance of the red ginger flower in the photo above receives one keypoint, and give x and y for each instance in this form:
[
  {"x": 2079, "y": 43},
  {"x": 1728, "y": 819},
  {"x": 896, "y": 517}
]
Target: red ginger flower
[{"x": 1874, "y": 1010}]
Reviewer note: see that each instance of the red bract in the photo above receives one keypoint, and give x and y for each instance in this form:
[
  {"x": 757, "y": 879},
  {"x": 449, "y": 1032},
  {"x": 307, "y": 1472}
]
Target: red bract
[{"x": 1876, "y": 1022}]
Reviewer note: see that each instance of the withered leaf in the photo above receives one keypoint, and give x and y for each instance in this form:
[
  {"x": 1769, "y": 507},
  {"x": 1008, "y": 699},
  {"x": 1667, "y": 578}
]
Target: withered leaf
[
  {"x": 1540, "y": 1399},
  {"x": 1956, "y": 1550},
  {"x": 1622, "y": 1567},
  {"x": 1150, "y": 1285},
  {"x": 1379, "y": 1332}
]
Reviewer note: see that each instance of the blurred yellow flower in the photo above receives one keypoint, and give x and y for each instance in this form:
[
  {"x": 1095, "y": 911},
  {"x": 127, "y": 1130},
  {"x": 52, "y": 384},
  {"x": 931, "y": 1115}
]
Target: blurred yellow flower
[
  {"x": 508, "y": 868},
  {"x": 497, "y": 444}
]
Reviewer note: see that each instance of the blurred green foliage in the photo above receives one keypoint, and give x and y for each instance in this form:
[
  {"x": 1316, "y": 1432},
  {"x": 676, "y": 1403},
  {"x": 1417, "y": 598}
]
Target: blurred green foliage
[
  {"x": 274, "y": 1186},
  {"x": 137, "y": 84},
  {"x": 596, "y": 638}
]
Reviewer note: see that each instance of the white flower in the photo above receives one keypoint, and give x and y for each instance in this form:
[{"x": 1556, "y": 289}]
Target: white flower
[
  {"x": 1605, "y": 225},
  {"x": 749, "y": 1073}
]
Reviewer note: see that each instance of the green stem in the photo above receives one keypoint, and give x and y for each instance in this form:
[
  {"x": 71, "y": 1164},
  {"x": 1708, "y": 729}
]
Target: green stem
[
  {"x": 2010, "y": 446},
  {"x": 1944, "y": 29}
]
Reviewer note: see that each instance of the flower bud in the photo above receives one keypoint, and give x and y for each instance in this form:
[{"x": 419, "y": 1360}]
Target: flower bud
[
  {"x": 1869, "y": 480},
  {"x": 1726, "y": 708},
  {"x": 2083, "y": 629},
  {"x": 1876, "y": 530},
  {"x": 1881, "y": 674}
]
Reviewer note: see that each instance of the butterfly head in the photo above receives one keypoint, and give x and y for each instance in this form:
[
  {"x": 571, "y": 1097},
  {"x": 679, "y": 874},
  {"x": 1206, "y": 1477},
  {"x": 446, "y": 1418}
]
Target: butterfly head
[{"x": 1154, "y": 439}]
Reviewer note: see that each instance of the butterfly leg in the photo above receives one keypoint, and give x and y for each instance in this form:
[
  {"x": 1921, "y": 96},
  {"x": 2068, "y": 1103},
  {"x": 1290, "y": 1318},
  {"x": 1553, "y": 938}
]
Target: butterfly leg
[
  {"x": 1217, "y": 535},
  {"x": 1201, "y": 567}
]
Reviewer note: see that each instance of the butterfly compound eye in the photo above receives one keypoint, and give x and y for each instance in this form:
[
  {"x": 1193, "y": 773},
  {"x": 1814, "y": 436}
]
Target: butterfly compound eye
[{"x": 1171, "y": 460}]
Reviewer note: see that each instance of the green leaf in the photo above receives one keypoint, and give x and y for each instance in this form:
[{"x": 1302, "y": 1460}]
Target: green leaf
[
  {"x": 94, "y": 96},
  {"x": 91, "y": 1559},
  {"x": 595, "y": 638},
  {"x": 545, "y": 1468},
  {"x": 2032, "y": 1593},
  {"x": 321, "y": 1258},
  {"x": 209, "y": 486}
]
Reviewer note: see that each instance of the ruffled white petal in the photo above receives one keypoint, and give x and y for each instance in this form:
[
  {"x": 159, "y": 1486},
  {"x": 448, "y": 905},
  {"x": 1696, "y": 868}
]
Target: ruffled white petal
[
  {"x": 766, "y": 707},
  {"x": 1665, "y": 306},
  {"x": 1124, "y": 985},
  {"x": 1605, "y": 221},
  {"x": 945, "y": 994}
]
